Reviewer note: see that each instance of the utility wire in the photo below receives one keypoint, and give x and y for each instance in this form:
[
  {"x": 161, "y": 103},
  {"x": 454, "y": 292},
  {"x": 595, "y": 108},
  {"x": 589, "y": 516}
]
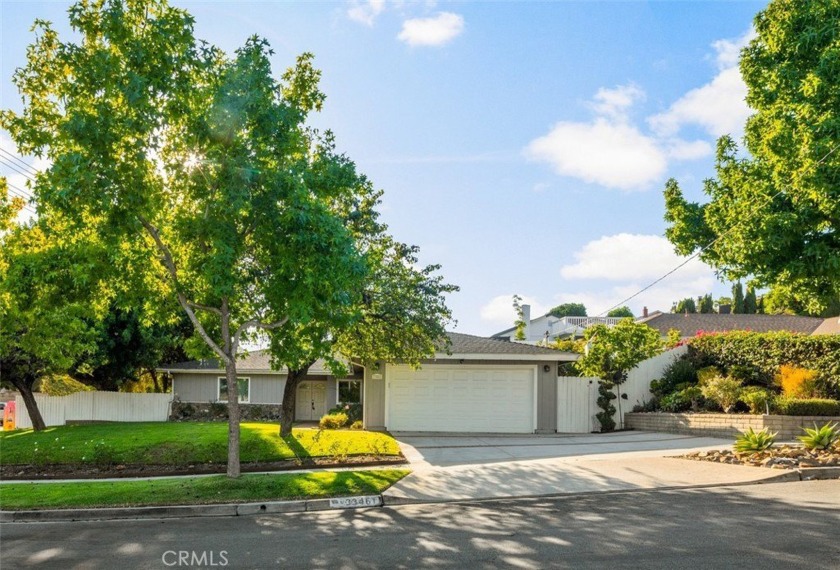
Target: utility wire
[
  {"x": 9, "y": 164},
  {"x": 18, "y": 160},
  {"x": 708, "y": 245}
]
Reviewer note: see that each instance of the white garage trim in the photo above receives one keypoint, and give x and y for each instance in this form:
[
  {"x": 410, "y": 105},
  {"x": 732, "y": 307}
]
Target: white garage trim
[{"x": 392, "y": 370}]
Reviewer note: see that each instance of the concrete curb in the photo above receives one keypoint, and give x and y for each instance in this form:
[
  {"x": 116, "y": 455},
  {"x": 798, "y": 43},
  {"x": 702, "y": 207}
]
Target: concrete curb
[{"x": 179, "y": 511}]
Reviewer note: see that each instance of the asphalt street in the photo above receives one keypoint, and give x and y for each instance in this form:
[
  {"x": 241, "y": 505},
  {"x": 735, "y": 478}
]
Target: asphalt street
[{"x": 777, "y": 525}]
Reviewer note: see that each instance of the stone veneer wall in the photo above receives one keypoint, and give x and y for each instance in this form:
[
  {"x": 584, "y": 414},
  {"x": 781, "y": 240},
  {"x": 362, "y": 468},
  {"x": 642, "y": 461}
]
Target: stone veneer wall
[
  {"x": 723, "y": 425},
  {"x": 210, "y": 412}
]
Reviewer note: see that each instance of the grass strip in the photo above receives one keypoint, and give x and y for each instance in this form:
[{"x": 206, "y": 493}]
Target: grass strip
[
  {"x": 196, "y": 490},
  {"x": 170, "y": 443}
]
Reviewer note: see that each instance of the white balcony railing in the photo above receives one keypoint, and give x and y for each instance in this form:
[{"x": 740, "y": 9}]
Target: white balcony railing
[{"x": 576, "y": 325}]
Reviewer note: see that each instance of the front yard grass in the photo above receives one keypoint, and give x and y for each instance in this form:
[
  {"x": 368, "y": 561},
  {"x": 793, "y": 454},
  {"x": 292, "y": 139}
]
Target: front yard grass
[
  {"x": 182, "y": 444},
  {"x": 196, "y": 490}
]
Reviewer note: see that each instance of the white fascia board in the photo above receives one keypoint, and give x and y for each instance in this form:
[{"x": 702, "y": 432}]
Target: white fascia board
[{"x": 564, "y": 356}]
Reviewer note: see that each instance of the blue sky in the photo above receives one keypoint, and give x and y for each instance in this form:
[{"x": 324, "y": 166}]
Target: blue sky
[{"x": 524, "y": 146}]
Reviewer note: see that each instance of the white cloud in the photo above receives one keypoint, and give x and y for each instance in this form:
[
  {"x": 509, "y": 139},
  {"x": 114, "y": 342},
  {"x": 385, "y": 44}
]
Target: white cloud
[
  {"x": 499, "y": 310},
  {"x": 631, "y": 262},
  {"x": 719, "y": 106},
  {"x": 435, "y": 31},
  {"x": 607, "y": 151},
  {"x": 625, "y": 257},
  {"x": 679, "y": 149},
  {"x": 365, "y": 12},
  {"x": 616, "y": 102}
]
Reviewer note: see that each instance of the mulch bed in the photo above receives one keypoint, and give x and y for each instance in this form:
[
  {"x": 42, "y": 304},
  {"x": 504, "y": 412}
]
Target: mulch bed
[
  {"x": 82, "y": 471},
  {"x": 785, "y": 457}
]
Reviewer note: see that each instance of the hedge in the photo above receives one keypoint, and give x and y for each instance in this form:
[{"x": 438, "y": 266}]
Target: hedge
[
  {"x": 810, "y": 407},
  {"x": 763, "y": 353}
]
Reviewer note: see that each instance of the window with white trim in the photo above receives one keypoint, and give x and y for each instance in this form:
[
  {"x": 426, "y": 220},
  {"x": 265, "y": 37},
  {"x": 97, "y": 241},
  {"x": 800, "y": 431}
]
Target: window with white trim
[
  {"x": 349, "y": 392},
  {"x": 243, "y": 386}
]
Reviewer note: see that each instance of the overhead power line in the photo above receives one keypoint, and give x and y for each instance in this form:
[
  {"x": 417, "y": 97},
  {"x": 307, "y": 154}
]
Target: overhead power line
[
  {"x": 19, "y": 161},
  {"x": 9, "y": 164},
  {"x": 708, "y": 245}
]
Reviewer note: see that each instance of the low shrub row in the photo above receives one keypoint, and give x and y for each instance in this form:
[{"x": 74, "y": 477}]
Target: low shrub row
[{"x": 793, "y": 390}]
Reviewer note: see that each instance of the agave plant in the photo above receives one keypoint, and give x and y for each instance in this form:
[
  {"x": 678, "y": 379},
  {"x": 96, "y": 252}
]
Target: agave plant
[
  {"x": 820, "y": 437},
  {"x": 754, "y": 440}
]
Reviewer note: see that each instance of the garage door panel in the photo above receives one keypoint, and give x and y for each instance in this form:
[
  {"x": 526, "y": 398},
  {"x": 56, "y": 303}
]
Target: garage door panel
[{"x": 463, "y": 398}]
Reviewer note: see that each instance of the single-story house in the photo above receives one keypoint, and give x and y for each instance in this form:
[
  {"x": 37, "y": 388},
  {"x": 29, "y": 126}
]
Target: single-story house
[
  {"x": 479, "y": 385},
  {"x": 203, "y": 381}
]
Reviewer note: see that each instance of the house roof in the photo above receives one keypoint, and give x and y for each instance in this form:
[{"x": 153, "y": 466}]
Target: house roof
[
  {"x": 461, "y": 346},
  {"x": 257, "y": 361},
  {"x": 830, "y": 325},
  {"x": 477, "y": 345},
  {"x": 690, "y": 324}
]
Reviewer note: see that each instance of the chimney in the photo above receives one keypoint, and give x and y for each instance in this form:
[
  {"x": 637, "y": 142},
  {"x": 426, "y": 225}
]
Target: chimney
[
  {"x": 526, "y": 316},
  {"x": 644, "y": 312}
]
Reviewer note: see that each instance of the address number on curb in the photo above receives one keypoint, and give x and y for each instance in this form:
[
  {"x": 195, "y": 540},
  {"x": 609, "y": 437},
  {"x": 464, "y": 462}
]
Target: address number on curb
[{"x": 354, "y": 502}]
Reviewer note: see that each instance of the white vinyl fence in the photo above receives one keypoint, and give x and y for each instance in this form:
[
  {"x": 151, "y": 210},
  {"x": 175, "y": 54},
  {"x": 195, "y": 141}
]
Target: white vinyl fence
[
  {"x": 577, "y": 397},
  {"x": 96, "y": 406}
]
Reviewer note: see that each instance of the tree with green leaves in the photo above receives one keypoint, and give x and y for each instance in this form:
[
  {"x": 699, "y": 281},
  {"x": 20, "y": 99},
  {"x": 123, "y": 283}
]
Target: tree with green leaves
[
  {"x": 750, "y": 301},
  {"x": 738, "y": 298},
  {"x": 684, "y": 306},
  {"x": 519, "y": 324},
  {"x": 611, "y": 352},
  {"x": 705, "y": 304},
  {"x": 200, "y": 168},
  {"x": 46, "y": 286},
  {"x": 773, "y": 213},
  {"x": 401, "y": 316},
  {"x": 568, "y": 310},
  {"x": 130, "y": 344},
  {"x": 621, "y": 312}
]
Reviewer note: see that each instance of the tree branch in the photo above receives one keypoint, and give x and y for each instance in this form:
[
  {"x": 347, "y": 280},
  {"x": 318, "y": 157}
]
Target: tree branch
[
  {"x": 171, "y": 268},
  {"x": 204, "y": 308},
  {"x": 255, "y": 323}
]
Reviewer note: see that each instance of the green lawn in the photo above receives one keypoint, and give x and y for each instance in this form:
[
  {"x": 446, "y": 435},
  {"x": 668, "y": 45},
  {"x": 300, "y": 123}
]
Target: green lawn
[
  {"x": 187, "y": 443},
  {"x": 196, "y": 490}
]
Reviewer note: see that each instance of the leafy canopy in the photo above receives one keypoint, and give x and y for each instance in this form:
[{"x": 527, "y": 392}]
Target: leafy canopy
[
  {"x": 775, "y": 214},
  {"x": 568, "y": 310}
]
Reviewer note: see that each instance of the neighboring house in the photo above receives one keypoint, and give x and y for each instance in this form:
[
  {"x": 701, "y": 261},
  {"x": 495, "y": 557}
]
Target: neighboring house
[
  {"x": 549, "y": 328},
  {"x": 830, "y": 325},
  {"x": 203, "y": 381},
  {"x": 689, "y": 324},
  {"x": 479, "y": 385}
]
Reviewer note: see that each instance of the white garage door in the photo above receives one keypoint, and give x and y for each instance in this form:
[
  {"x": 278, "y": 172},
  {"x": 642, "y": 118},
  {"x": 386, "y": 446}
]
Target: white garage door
[{"x": 489, "y": 399}]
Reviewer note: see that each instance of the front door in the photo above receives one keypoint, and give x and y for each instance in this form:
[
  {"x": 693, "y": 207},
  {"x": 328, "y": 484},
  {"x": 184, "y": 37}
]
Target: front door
[{"x": 311, "y": 401}]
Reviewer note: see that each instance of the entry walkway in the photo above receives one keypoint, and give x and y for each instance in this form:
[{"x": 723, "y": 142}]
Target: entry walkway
[{"x": 467, "y": 467}]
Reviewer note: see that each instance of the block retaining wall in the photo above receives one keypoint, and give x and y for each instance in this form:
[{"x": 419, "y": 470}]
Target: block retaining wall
[{"x": 724, "y": 425}]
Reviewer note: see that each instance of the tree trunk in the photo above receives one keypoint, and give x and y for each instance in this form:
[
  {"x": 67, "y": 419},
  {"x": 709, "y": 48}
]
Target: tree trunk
[
  {"x": 233, "y": 419},
  {"x": 287, "y": 410},
  {"x": 155, "y": 383},
  {"x": 25, "y": 389}
]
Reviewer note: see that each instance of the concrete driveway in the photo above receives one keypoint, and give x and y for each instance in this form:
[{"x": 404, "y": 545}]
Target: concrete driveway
[{"x": 469, "y": 466}]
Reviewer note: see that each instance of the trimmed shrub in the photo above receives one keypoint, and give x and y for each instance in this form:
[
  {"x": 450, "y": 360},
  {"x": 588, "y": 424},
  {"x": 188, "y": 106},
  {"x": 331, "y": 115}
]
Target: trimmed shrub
[
  {"x": 758, "y": 399},
  {"x": 677, "y": 375},
  {"x": 357, "y": 425},
  {"x": 722, "y": 390},
  {"x": 688, "y": 398},
  {"x": 352, "y": 410},
  {"x": 766, "y": 352},
  {"x": 796, "y": 382},
  {"x": 333, "y": 421},
  {"x": 807, "y": 407}
]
